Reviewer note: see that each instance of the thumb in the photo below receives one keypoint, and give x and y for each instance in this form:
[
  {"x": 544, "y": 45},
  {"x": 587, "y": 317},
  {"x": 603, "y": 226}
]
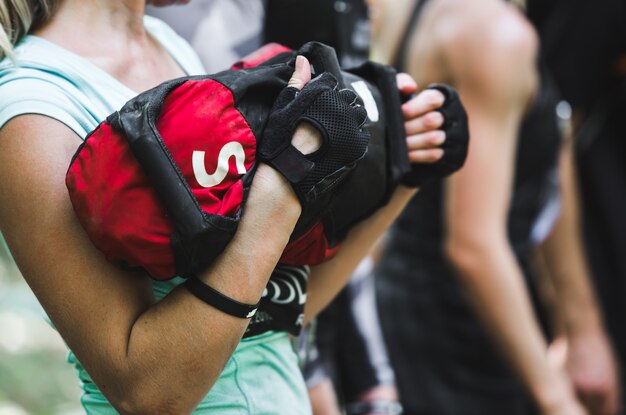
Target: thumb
[{"x": 302, "y": 73}]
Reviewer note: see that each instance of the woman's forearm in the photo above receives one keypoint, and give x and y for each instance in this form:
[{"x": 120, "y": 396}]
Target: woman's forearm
[
  {"x": 179, "y": 346},
  {"x": 329, "y": 277},
  {"x": 496, "y": 289}
]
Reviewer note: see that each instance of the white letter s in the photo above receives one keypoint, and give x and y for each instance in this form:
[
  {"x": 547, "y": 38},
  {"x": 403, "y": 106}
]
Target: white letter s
[{"x": 209, "y": 180}]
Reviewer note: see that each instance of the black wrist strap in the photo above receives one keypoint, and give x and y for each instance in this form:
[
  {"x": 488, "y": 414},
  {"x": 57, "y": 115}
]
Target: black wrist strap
[{"x": 220, "y": 301}]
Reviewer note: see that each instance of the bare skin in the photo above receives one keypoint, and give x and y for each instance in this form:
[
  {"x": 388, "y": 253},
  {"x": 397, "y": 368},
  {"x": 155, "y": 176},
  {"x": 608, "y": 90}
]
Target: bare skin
[
  {"x": 587, "y": 355},
  {"x": 109, "y": 317},
  {"x": 487, "y": 50}
]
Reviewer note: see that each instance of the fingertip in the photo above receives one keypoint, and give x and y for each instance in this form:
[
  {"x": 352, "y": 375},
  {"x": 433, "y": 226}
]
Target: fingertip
[
  {"x": 406, "y": 83},
  {"x": 302, "y": 63},
  {"x": 432, "y": 98},
  {"x": 301, "y": 74},
  {"x": 438, "y": 98}
]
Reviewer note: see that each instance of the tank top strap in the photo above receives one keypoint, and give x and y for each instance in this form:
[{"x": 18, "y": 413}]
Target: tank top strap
[{"x": 400, "y": 58}]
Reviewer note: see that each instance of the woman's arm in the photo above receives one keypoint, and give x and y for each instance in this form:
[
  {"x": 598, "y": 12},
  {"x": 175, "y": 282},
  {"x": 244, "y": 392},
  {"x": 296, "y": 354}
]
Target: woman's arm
[
  {"x": 145, "y": 357},
  {"x": 589, "y": 359},
  {"x": 328, "y": 278}
]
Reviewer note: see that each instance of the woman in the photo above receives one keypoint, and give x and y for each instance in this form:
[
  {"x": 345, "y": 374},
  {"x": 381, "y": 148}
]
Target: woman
[
  {"x": 141, "y": 346},
  {"x": 458, "y": 262}
]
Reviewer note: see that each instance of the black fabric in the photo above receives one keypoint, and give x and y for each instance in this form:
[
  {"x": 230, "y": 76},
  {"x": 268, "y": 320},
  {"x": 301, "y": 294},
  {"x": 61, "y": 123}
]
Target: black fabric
[
  {"x": 385, "y": 162},
  {"x": 341, "y": 24},
  {"x": 455, "y": 147},
  {"x": 535, "y": 180},
  {"x": 343, "y": 350},
  {"x": 282, "y": 304},
  {"x": 446, "y": 363},
  {"x": 580, "y": 42}
]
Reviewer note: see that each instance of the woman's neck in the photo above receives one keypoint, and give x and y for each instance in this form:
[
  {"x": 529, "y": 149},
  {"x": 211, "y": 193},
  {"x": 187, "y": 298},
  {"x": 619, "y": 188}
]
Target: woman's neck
[
  {"x": 111, "y": 35},
  {"x": 94, "y": 27}
]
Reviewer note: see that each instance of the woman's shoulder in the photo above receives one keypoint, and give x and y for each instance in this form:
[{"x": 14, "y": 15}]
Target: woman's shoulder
[
  {"x": 43, "y": 78},
  {"x": 25, "y": 91}
]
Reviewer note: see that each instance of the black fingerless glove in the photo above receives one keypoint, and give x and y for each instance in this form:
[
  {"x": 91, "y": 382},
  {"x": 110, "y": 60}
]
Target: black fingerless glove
[
  {"x": 454, "y": 147},
  {"x": 339, "y": 117}
]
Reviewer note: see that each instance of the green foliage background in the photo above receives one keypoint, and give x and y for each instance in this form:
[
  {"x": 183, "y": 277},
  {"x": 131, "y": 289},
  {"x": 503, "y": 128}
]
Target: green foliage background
[{"x": 35, "y": 378}]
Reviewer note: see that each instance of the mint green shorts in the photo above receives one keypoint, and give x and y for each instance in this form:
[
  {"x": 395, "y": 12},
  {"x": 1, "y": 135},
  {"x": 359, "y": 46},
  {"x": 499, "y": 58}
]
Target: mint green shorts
[{"x": 261, "y": 378}]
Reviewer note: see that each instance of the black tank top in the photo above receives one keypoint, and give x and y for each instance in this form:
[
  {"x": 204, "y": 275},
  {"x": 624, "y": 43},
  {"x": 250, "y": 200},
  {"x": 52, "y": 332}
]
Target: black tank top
[{"x": 534, "y": 183}]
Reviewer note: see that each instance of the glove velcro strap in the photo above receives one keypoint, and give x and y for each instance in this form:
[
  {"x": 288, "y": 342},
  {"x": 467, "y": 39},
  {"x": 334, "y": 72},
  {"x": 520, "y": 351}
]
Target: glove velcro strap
[
  {"x": 220, "y": 301},
  {"x": 292, "y": 164}
]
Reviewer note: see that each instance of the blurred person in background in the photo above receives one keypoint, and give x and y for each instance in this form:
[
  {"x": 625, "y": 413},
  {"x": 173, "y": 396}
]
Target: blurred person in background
[
  {"x": 142, "y": 346},
  {"x": 584, "y": 45},
  {"x": 588, "y": 365},
  {"x": 464, "y": 326}
]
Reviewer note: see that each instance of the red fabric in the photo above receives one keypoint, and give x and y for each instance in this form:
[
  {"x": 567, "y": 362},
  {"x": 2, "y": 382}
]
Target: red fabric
[
  {"x": 117, "y": 206},
  {"x": 309, "y": 249},
  {"x": 260, "y": 55}
]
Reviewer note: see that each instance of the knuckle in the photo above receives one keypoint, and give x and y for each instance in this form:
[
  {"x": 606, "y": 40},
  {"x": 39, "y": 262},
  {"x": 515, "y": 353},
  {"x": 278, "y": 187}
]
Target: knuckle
[
  {"x": 435, "y": 154},
  {"x": 433, "y": 119},
  {"x": 436, "y": 138}
]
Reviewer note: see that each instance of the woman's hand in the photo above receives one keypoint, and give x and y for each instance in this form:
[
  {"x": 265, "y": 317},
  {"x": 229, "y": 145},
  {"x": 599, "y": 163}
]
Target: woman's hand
[
  {"x": 306, "y": 139},
  {"x": 422, "y": 121},
  {"x": 587, "y": 359},
  {"x": 437, "y": 132}
]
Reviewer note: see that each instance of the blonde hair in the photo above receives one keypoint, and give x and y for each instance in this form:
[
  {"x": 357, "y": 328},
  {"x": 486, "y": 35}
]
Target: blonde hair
[{"x": 19, "y": 17}]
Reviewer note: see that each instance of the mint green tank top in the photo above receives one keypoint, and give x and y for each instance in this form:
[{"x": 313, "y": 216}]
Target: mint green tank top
[{"x": 262, "y": 376}]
